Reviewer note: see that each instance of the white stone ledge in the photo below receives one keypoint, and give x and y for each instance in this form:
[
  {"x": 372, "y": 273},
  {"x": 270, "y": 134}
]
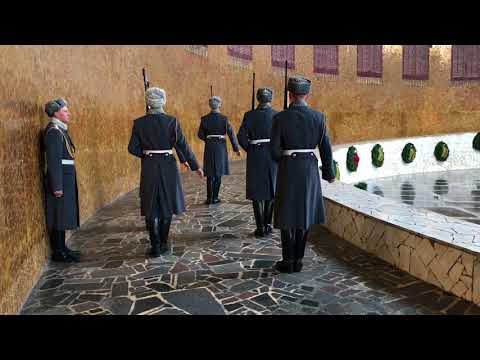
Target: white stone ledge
[{"x": 437, "y": 227}]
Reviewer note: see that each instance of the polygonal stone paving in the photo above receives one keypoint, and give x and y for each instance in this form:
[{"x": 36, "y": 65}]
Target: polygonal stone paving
[{"x": 215, "y": 266}]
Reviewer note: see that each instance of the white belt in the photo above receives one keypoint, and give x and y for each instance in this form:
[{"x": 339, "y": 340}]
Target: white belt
[
  {"x": 291, "y": 152},
  {"x": 216, "y": 136},
  {"x": 259, "y": 141},
  {"x": 68, "y": 162},
  {"x": 148, "y": 152}
]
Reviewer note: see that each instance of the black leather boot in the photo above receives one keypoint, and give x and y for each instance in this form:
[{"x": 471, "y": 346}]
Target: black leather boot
[
  {"x": 72, "y": 253},
  {"x": 57, "y": 242},
  {"x": 286, "y": 265},
  {"x": 164, "y": 230},
  {"x": 209, "y": 190},
  {"x": 154, "y": 230},
  {"x": 216, "y": 189},
  {"x": 268, "y": 214},
  {"x": 300, "y": 242},
  {"x": 259, "y": 218}
]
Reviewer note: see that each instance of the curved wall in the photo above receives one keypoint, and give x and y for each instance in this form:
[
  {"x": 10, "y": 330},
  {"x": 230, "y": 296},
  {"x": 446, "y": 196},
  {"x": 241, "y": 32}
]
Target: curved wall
[{"x": 105, "y": 90}]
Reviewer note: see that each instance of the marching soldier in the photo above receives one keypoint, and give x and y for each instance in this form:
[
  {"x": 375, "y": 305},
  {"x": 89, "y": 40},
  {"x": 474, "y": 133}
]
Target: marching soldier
[
  {"x": 254, "y": 138},
  {"x": 296, "y": 133},
  {"x": 153, "y": 137},
  {"x": 62, "y": 209},
  {"x": 213, "y": 129}
]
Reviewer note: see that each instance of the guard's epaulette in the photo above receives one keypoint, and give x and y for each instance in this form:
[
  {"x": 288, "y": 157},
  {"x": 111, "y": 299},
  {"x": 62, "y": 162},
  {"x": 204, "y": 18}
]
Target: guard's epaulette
[{"x": 54, "y": 126}]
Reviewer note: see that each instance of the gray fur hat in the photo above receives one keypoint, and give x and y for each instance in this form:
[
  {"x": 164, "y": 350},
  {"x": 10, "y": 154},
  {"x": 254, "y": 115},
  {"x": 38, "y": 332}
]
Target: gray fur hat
[
  {"x": 215, "y": 102},
  {"x": 155, "y": 97},
  {"x": 53, "y": 106},
  {"x": 299, "y": 85},
  {"x": 264, "y": 95}
]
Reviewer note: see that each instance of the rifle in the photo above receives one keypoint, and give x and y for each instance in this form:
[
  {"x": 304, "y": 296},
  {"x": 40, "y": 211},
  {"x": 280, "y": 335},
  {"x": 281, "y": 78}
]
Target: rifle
[
  {"x": 211, "y": 90},
  {"x": 285, "y": 91},
  {"x": 146, "y": 84},
  {"x": 253, "y": 92}
]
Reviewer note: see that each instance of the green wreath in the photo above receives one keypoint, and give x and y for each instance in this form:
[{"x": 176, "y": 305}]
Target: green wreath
[
  {"x": 409, "y": 152},
  {"x": 361, "y": 185},
  {"x": 476, "y": 142},
  {"x": 352, "y": 159},
  {"x": 378, "y": 156},
  {"x": 441, "y": 151}
]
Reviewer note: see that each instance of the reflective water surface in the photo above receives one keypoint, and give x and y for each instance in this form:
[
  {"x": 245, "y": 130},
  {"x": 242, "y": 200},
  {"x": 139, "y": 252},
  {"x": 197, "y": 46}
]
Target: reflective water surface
[{"x": 451, "y": 193}]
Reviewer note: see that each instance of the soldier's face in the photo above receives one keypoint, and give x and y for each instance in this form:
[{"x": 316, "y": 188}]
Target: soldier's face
[{"x": 63, "y": 114}]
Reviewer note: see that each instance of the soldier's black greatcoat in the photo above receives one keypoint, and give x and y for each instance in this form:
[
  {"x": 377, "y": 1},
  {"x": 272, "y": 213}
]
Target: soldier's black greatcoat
[
  {"x": 261, "y": 168},
  {"x": 298, "y": 196},
  {"x": 160, "y": 178},
  {"x": 215, "y": 157},
  {"x": 62, "y": 213}
]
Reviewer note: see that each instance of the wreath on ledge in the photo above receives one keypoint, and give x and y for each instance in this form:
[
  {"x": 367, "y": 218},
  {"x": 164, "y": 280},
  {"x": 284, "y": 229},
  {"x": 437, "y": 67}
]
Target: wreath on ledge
[
  {"x": 441, "y": 151},
  {"x": 361, "y": 185},
  {"x": 378, "y": 156},
  {"x": 476, "y": 142},
  {"x": 409, "y": 152},
  {"x": 352, "y": 159}
]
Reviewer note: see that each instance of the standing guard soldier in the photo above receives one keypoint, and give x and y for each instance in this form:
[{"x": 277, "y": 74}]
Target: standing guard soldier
[
  {"x": 213, "y": 129},
  {"x": 254, "y": 138},
  {"x": 153, "y": 137},
  {"x": 296, "y": 133},
  {"x": 61, "y": 189}
]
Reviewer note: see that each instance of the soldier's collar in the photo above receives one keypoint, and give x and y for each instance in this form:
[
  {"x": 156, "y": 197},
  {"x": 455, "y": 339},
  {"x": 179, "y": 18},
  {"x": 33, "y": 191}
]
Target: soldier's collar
[
  {"x": 156, "y": 111},
  {"x": 299, "y": 103},
  {"x": 216, "y": 111},
  {"x": 59, "y": 123},
  {"x": 264, "y": 106}
]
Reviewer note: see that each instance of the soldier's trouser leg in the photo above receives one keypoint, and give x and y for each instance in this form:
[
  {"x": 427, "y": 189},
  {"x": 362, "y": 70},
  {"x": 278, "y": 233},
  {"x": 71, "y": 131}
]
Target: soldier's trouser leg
[
  {"x": 258, "y": 211},
  {"x": 216, "y": 189},
  {"x": 268, "y": 214},
  {"x": 58, "y": 254},
  {"x": 210, "y": 182},
  {"x": 54, "y": 242},
  {"x": 286, "y": 265},
  {"x": 300, "y": 242},
  {"x": 164, "y": 230}
]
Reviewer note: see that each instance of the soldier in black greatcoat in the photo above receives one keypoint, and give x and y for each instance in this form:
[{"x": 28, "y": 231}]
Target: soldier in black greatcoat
[
  {"x": 254, "y": 138},
  {"x": 61, "y": 191},
  {"x": 153, "y": 138},
  {"x": 213, "y": 129},
  {"x": 296, "y": 133}
]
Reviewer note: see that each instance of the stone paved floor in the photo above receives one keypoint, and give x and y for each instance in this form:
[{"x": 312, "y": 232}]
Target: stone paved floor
[{"x": 216, "y": 266}]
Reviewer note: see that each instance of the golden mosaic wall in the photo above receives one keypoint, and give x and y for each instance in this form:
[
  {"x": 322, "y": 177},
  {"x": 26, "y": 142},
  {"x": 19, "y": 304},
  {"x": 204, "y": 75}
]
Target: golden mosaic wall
[{"x": 104, "y": 87}]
